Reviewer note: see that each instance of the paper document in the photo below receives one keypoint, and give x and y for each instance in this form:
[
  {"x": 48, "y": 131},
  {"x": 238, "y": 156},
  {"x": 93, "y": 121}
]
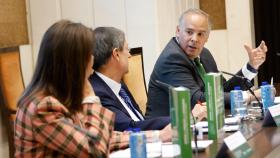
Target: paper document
[
  {"x": 168, "y": 150},
  {"x": 277, "y": 100},
  {"x": 232, "y": 120},
  {"x": 227, "y": 128},
  {"x": 231, "y": 125},
  {"x": 228, "y": 121}
]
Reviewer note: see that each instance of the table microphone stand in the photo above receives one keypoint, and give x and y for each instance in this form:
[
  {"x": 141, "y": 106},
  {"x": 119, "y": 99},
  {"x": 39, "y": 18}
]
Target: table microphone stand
[{"x": 248, "y": 84}]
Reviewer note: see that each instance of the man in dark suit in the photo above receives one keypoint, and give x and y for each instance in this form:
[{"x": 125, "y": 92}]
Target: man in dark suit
[
  {"x": 111, "y": 55},
  {"x": 185, "y": 59}
]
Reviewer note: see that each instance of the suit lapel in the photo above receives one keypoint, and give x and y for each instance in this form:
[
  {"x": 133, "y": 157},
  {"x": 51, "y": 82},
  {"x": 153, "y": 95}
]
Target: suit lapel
[
  {"x": 110, "y": 94},
  {"x": 135, "y": 105}
]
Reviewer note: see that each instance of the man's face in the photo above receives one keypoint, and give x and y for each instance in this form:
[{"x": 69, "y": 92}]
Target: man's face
[
  {"x": 124, "y": 55},
  {"x": 193, "y": 34}
]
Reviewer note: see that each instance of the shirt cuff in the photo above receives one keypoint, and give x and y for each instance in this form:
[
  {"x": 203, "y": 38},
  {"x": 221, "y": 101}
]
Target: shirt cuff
[
  {"x": 91, "y": 99},
  {"x": 245, "y": 95},
  {"x": 249, "y": 72}
]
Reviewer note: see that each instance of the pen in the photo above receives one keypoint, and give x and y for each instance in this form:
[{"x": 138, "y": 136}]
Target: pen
[{"x": 271, "y": 81}]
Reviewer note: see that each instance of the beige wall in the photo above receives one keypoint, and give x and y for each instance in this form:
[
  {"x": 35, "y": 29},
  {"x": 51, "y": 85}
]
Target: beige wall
[
  {"x": 227, "y": 46},
  {"x": 147, "y": 23}
]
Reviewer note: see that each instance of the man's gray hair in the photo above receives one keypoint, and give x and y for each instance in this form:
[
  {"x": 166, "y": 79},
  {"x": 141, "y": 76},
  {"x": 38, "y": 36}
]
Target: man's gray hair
[
  {"x": 194, "y": 11},
  {"x": 106, "y": 40}
]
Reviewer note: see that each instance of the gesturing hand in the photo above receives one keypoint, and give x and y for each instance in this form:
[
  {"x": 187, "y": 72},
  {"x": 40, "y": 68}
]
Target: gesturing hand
[{"x": 256, "y": 56}]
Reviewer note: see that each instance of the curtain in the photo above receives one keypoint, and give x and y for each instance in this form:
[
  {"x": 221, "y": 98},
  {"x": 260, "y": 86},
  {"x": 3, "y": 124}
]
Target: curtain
[{"x": 267, "y": 28}]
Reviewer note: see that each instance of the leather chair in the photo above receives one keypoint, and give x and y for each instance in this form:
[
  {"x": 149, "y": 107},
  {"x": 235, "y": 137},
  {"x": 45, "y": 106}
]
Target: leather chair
[
  {"x": 135, "y": 78},
  {"x": 11, "y": 87}
]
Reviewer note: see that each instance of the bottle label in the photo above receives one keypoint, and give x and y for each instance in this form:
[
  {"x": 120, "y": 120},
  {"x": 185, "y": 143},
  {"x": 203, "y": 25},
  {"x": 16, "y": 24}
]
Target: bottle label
[
  {"x": 237, "y": 104},
  {"x": 267, "y": 96},
  {"x": 137, "y": 144}
]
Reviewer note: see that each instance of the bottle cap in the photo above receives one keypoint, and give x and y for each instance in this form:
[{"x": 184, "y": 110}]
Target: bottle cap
[
  {"x": 133, "y": 129},
  {"x": 136, "y": 129},
  {"x": 264, "y": 83},
  {"x": 237, "y": 88}
]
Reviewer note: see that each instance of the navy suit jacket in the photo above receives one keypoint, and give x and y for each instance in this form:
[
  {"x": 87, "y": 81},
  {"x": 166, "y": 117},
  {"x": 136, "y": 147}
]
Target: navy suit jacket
[
  {"x": 123, "y": 120},
  {"x": 175, "y": 68}
]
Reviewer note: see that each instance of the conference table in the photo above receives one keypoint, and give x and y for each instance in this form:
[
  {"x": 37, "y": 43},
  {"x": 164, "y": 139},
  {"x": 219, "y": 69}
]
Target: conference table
[{"x": 265, "y": 141}]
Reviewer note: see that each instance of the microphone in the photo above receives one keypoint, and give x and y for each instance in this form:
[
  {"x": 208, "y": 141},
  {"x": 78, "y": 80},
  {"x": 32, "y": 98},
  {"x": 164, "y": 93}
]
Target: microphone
[
  {"x": 234, "y": 75},
  {"x": 194, "y": 122},
  {"x": 247, "y": 84}
]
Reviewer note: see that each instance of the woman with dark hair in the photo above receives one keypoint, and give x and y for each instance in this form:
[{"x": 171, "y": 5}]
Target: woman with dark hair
[{"x": 58, "y": 114}]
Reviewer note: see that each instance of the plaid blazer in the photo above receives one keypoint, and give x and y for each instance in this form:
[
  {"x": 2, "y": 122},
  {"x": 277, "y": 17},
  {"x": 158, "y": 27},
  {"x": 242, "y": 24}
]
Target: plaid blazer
[{"x": 45, "y": 128}]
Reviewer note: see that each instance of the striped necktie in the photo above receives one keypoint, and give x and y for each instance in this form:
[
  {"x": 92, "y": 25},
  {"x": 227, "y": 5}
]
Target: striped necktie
[
  {"x": 128, "y": 102},
  {"x": 199, "y": 67}
]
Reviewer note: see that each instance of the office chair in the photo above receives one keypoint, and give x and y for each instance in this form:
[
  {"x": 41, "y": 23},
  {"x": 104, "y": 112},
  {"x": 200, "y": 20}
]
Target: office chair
[
  {"x": 11, "y": 87},
  {"x": 135, "y": 78}
]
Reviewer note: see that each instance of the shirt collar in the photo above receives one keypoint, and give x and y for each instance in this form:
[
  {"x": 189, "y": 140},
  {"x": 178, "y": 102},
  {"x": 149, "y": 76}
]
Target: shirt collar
[
  {"x": 115, "y": 86},
  {"x": 177, "y": 40}
]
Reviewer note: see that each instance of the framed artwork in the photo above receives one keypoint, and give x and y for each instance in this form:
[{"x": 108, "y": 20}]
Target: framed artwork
[
  {"x": 13, "y": 23},
  {"x": 217, "y": 12}
]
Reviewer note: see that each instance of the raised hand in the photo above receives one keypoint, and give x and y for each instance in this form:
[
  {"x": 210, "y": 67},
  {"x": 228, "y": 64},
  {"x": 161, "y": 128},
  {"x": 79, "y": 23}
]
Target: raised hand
[{"x": 256, "y": 56}]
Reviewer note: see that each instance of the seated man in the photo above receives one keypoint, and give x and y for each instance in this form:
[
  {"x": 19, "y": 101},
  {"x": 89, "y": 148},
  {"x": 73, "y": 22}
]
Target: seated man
[
  {"x": 185, "y": 60},
  {"x": 111, "y": 55}
]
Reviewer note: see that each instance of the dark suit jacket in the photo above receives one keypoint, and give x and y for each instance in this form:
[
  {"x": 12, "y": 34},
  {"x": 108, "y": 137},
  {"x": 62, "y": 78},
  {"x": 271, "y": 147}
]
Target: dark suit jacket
[
  {"x": 175, "y": 68},
  {"x": 123, "y": 120}
]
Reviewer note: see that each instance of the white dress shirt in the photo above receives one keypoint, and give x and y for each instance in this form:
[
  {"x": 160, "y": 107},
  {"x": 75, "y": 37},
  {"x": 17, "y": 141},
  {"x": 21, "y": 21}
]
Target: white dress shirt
[{"x": 115, "y": 87}]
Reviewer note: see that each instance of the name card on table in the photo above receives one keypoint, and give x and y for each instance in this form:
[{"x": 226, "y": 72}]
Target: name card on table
[
  {"x": 238, "y": 145},
  {"x": 275, "y": 113}
]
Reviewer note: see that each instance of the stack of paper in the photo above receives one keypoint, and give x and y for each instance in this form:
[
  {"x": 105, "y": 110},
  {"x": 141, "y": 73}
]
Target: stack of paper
[{"x": 231, "y": 125}]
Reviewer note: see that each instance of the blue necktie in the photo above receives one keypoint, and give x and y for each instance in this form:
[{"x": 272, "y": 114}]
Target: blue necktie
[{"x": 128, "y": 102}]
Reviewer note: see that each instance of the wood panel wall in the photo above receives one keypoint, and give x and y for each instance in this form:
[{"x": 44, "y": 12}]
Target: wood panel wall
[
  {"x": 13, "y": 23},
  {"x": 216, "y": 10}
]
